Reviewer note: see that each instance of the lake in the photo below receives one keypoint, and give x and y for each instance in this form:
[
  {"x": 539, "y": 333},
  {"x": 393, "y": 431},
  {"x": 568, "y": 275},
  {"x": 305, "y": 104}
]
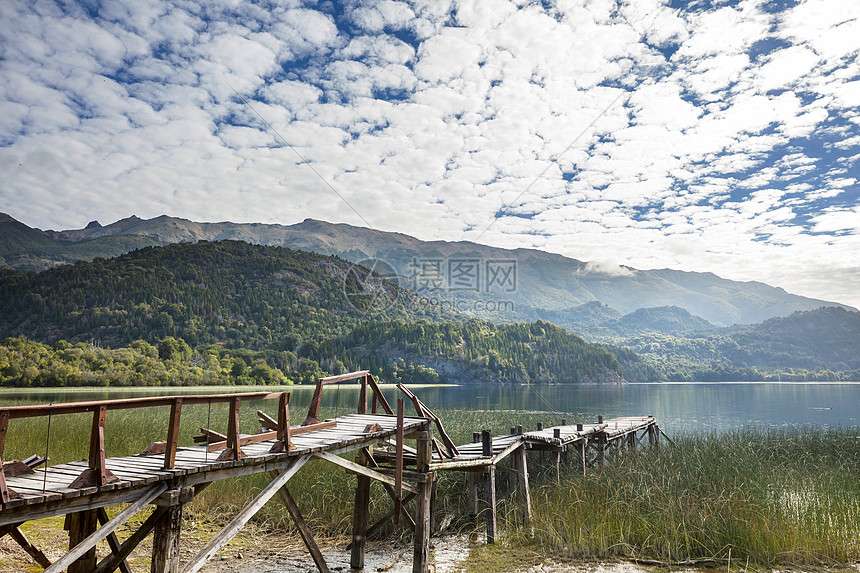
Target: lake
[{"x": 688, "y": 407}]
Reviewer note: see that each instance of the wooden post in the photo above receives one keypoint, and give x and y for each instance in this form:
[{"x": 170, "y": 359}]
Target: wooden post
[
  {"x": 283, "y": 442},
  {"x": 96, "y": 473},
  {"x": 81, "y": 525},
  {"x": 523, "y": 482},
  {"x": 472, "y": 479},
  {"x": 472, "y": 484},
  {"x": 97, "y": 444},
  {"x": 556, "y": 455},
  {"x": 173, "y": 433},
  {"x": 421, "y": 552},
  {"x": 601, "y": 447},
  {"x": 359, "y": 517},
  {"x": 4, "y": 426},
  {"x": 582, "y": 446},
  {"x": 362, "y": 396},
  {"x": 489, "y": 486},
  {"x": 233, "y": 451},
  {"x": 490, "y": 502},
  {"x": 486, "y": 443},
  {"x": 314, "y": 409},
  {"x": 398, "y": 462},
  {"x": 165, "y": 541}
]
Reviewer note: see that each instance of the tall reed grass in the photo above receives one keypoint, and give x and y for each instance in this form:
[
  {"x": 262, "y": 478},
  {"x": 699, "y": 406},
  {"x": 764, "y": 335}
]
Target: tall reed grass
[{"x": 770, "y": 497}]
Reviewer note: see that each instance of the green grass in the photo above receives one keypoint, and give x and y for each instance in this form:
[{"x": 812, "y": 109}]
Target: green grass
[
  {"x": 766, "y": 497},
  {"x": 771, "y": 498}
]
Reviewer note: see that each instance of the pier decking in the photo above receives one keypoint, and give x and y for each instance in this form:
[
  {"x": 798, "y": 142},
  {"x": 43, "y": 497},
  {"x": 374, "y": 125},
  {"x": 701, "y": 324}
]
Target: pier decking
[{"x": 168, "y": 476}]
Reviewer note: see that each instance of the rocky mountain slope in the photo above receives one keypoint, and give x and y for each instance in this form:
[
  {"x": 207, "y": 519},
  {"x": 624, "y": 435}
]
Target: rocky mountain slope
[{"x": 518, "y": 284}]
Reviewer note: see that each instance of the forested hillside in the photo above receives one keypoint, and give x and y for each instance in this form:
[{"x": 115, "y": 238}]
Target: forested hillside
[
  {"x": 231, "y": 312},
  {"x": 821, "y": 344}
]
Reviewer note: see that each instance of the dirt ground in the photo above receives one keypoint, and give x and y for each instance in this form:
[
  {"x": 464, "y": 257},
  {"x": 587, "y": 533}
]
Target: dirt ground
[{"x": 257, "y": 551}]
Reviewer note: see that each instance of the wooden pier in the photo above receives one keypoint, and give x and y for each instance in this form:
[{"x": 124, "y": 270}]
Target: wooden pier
[{"x": 167, "y": 476}]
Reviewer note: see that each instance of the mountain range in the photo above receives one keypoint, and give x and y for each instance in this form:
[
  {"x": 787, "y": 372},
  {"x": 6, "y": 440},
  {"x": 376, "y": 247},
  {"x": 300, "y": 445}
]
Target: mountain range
[
  {"x": 232, "y": 312},
  {"x": 583, "y": 296}
]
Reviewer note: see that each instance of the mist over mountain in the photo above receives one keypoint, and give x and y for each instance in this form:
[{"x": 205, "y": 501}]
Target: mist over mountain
[{"x": 547, "y": 286}]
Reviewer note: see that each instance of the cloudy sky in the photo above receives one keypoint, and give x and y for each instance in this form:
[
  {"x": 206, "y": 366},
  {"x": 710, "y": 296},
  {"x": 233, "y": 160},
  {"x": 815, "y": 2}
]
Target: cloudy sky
[{"x": 709, "y": 136}]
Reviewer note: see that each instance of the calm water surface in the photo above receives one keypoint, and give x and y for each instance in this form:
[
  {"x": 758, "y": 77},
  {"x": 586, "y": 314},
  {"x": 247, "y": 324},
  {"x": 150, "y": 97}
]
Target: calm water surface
[{"x": 689, "y": 407}]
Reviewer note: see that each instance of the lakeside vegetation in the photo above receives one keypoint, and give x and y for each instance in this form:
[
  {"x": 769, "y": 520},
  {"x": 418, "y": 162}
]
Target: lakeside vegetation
[
  {"x": 763, "y": 497},
  {"x": 760, "y": 498}
]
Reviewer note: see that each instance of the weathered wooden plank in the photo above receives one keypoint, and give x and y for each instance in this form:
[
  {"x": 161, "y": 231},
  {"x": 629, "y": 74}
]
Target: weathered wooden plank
[{"x": 362, "y": 470}]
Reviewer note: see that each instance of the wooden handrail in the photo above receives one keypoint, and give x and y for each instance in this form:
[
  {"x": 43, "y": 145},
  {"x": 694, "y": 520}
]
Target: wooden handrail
[
  {"x": 97, "y": 472},
  {"x": 344, "y": 377},
  {"x": 129, "y": 403},
  {"x": 366, "y": 379}
]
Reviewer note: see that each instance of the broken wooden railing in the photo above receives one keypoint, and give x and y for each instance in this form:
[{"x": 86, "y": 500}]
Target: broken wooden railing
[{"x": 97, "y": 473}]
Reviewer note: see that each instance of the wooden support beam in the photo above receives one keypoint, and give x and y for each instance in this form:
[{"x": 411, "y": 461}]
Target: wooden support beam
[
  {"x": 233, "y": 450},
  {"x": 165, "y": 540},
  {"x": 363, "y": 470},
  {"x": 422, "y": 410},
  {"x": 81, "y": 526},
  {"x": 112, "y": 540},
  {"x": 266, "y": 421},
  {"x": 89, "y": 543},
  {"x": 582, "y": 446},
  {"x": 5, "y": 493},
  {"x": 378, "y": 395},
  {"x": 236, "y": 524},
  {"x": 472, "y": 486},
  {"x": 31, "y": 549},
  {"x": 523, "y": 483},
  {"x": 421, "y": 550},
  {"x": 359, "y": 515},
  {"x": 490, "y": 502},
  {"x": 282, "y": 441},
  {"x": 173, "y": 434},
  {"x": 304, "y": 531},
  {"x": 97, "y": 473},
  {"x": 398, "y": 462},
  {"x": 601, "y": 446},
  {"x": 210, "y": 436},
  {"x": 362, "y": 395},
  {"x": 114, "y": 560}
]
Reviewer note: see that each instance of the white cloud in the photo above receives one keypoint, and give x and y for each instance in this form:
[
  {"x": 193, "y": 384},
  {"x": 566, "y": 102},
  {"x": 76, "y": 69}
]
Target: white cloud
[{"x": 716, "y": 157}]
